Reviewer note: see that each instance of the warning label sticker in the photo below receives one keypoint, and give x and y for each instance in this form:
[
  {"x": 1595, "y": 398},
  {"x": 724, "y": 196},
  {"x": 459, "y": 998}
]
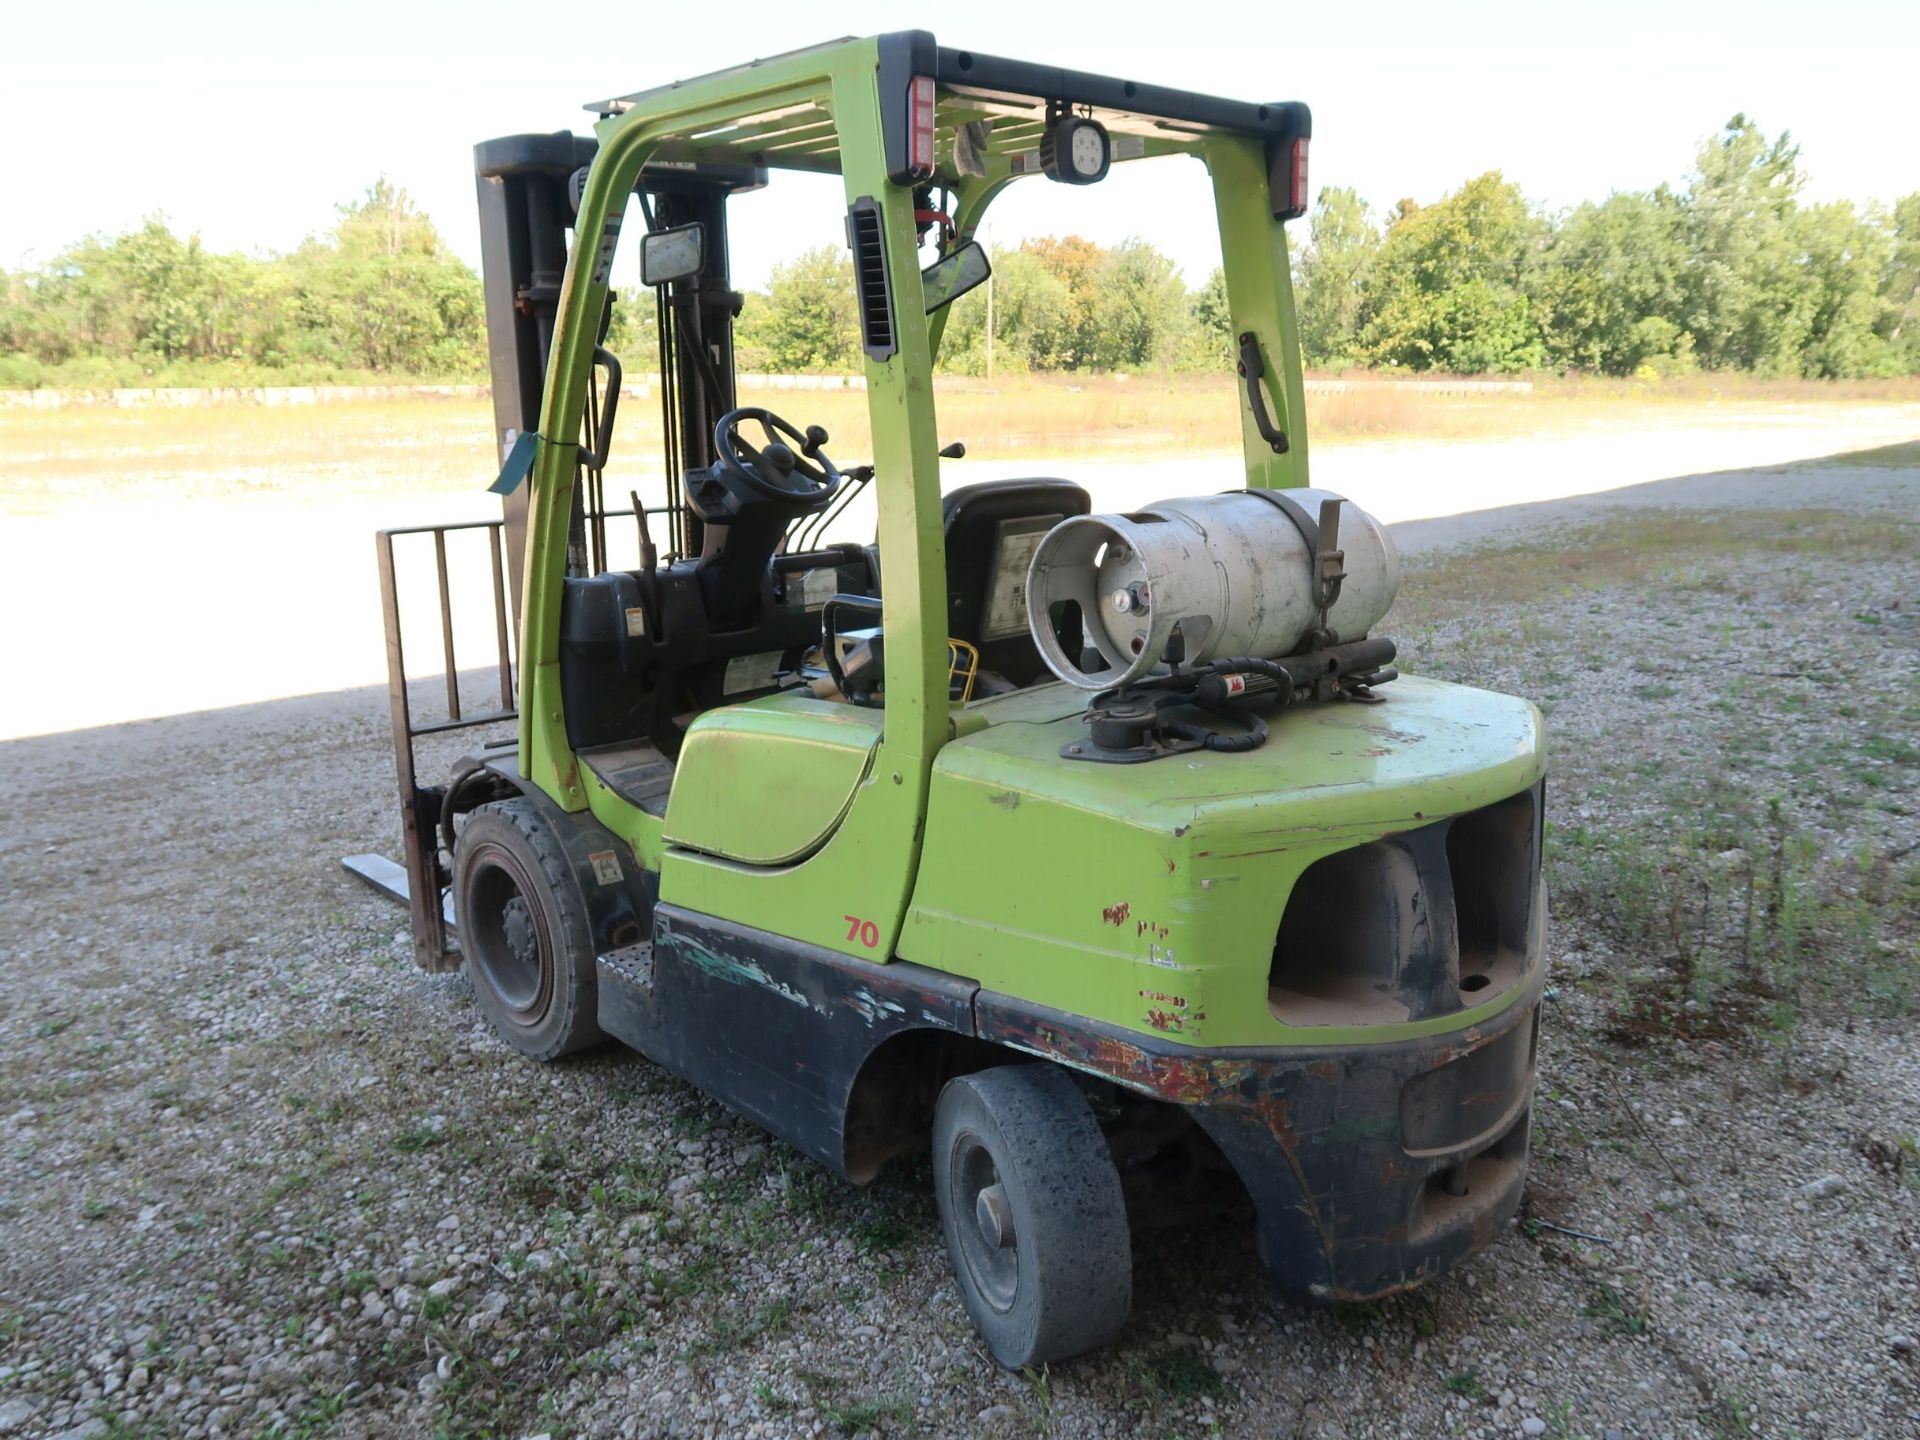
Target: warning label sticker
[
  {"x": 817, "y": 587},
  {"x": 1012, "y": 557},
  {"x": 751, "y": 672},
  {"x": 606, "y": 866},
  {"x": 609, "y": 238}
]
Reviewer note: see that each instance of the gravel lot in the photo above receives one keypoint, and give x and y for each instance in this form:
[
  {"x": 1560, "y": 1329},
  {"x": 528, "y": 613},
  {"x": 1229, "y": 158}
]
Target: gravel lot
[{"x": 259, "y": 1176}]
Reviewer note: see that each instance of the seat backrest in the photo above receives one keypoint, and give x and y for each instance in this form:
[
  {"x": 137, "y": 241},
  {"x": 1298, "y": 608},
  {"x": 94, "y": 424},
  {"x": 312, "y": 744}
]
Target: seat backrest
[{"x": 992, "y": 530}]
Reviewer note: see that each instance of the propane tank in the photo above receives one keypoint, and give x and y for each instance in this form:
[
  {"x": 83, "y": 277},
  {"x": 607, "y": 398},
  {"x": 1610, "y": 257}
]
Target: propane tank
[{"x": 1235, "y": 572}]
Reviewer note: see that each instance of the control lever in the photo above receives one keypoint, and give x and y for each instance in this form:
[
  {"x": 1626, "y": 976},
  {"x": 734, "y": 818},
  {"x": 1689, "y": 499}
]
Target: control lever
[
  {"x": 649, "y": 556},
  {"x": 955, "y": 451}
]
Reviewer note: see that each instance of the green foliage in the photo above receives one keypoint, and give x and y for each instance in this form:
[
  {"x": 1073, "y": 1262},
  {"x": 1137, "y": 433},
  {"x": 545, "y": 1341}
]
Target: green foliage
[
  {"x": 1213, "y": 322},
  {"x": 1900, "y": 287},
  {"x": 808, "y": 320},
  {"x": 1726, "y": 271},
  {"x": 1069, "y": 304},
  {"x": 1336, "y": 273},
  {"x": 1032, "y": 319},
  {"x": 378, "y": 295},
  {"x": 1184, "y": 1373},
  {"x": 1843, "y": 255},
  {"x": 1445, "y": 291},
  {"x": 1617, "y": 1312},
  {"x": 1742, "y": 303},
  {"x": 1139, "y": 312},
  {"x": 382, "y": 294},
  {"x": 1607, "y": 284},
  {"x": 1730, "y": 272}
]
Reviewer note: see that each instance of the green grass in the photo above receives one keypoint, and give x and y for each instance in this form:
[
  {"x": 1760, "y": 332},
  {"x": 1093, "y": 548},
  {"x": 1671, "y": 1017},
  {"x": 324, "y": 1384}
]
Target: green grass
[
  {"x": 1648, "y": 558},
  {"x": 1183, "y": 1373},
  {"x": 1883, "y": 457},
  {"x": 1617, "y": 1312},
  {"x": 728, "y": 1333},
  {"x": 421, "y": 1137},
  {"x": 864, "y": 1417},
  {"x": 1730, "y": 840}
]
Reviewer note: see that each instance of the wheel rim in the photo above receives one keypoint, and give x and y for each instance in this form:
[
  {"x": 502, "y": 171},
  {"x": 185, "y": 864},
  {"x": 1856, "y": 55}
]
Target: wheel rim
[
  {"x": 984, "y": 1222},
  {"x": 510, "y": 944}
]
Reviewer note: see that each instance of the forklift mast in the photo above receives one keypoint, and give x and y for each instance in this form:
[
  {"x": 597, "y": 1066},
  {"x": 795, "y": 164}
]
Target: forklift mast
[{"x": 529, "y": 188}]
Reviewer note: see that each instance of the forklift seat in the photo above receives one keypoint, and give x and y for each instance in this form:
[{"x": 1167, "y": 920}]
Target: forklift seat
[{"x": 992, "y": 530}]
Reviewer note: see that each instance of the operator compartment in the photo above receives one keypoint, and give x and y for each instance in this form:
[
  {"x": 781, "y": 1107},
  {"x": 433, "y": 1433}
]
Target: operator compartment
[{"x": 643, "y": 652}]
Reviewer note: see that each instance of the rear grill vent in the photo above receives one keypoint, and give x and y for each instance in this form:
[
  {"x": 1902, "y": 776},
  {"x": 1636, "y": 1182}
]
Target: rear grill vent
[
  {"x": 868, "y": 241},
  {"x": 1426, "y": 922}
]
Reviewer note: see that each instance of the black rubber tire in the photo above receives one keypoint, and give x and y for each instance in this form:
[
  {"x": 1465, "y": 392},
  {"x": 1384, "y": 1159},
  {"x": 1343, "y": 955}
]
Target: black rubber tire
[
  {"x": 524, "y": 934},
  {"x": 1065, "y": 1283}
]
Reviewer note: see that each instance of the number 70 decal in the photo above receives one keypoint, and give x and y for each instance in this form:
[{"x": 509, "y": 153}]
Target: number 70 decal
[{"x": 865, "y": 931}]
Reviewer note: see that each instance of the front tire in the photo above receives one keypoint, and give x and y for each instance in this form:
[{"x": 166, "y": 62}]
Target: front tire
[
  {"x": 524, "y": 932},
  {"x": 1035, "y": 1221}
]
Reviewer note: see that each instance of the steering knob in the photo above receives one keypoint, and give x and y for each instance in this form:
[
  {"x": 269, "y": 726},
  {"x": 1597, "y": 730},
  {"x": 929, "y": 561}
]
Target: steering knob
[{"x": 816, "y": 437}]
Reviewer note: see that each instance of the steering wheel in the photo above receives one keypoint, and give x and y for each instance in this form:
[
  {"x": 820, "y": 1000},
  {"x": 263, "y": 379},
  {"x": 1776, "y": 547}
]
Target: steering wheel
[{"x": 785, "y": 466}]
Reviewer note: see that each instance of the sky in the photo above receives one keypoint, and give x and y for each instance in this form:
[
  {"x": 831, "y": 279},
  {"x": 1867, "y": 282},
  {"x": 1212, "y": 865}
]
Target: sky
[{"x": 249, "y": 122}]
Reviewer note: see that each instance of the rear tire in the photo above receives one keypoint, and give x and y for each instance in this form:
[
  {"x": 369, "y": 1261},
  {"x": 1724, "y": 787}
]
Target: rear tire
[
  {"x": 1031, "y": 1205},
  {"x": 524, "y": 933}
]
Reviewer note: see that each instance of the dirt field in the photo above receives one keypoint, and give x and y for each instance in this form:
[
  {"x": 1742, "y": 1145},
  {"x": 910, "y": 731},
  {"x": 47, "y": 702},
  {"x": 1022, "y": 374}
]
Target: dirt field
[
  {"x": 176, "y": 545},
  {"x": 260, "y": 1177}
]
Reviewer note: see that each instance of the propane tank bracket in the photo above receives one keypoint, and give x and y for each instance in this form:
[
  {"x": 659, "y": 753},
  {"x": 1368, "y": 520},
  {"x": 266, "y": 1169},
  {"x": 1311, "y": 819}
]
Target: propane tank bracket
[{"x": 1327, "y": 561}]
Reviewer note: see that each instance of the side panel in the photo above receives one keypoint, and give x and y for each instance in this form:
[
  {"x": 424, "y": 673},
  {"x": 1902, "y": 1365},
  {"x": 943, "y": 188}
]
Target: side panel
[
  {"x": 765, "y": 783},
  {"x": 776, "y": 1029}
]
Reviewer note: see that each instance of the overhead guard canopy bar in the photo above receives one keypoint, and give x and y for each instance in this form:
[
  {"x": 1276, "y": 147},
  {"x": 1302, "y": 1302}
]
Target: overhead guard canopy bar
[{"x": 906, "y": 53}]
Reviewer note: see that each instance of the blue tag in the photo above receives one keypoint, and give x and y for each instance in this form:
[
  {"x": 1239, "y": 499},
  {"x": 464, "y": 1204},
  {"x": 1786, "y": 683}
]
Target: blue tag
[{"x": 519, "y": 463}]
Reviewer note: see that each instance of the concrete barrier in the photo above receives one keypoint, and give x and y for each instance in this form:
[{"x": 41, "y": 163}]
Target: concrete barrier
[
  {"x": 161, "y": 397},
  {"x": 1422, "y": 387},
  {"x": 167, "y": 397}
]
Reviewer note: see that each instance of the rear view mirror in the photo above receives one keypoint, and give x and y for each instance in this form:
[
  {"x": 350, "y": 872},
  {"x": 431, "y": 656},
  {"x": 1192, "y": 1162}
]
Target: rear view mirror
[
  {"x": 951, "y": 276},
  {"x": 672, "y": 254}
]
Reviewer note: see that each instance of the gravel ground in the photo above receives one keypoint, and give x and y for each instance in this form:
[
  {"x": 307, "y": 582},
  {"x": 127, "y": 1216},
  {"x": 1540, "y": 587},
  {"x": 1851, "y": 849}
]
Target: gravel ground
[{"x": 259, "y": 1176}]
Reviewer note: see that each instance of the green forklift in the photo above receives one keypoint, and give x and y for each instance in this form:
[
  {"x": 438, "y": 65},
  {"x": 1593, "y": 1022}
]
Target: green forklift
[{"x": 1108, "y": 856}]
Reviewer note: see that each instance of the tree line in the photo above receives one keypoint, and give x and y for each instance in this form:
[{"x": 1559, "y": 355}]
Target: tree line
[
  {"x": 1730, "y": 269},
  {"x": 379, "y": 295}
]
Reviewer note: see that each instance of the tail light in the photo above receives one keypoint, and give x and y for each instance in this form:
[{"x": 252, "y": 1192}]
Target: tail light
[
  {"x": 920, "y": 127},
  {"x": 1287, "y": 177}
]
